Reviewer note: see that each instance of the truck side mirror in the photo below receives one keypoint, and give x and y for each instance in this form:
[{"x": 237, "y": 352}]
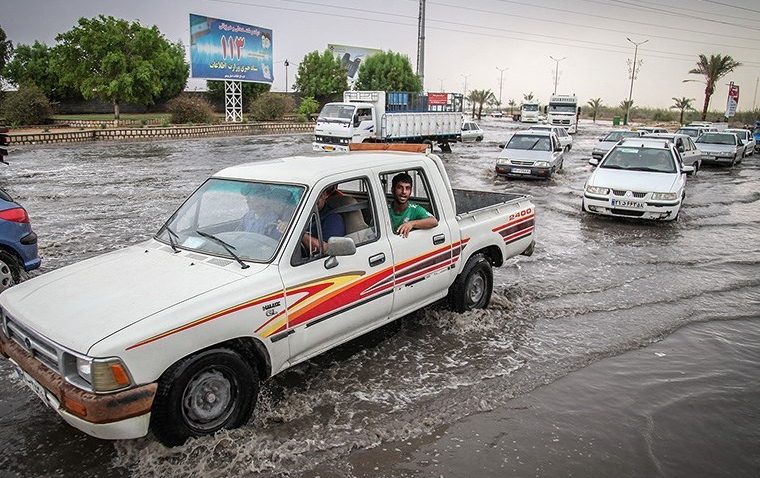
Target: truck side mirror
[
  {"x": 579, "y": 111},
  {"x": 546, "y": 109},
  {"x": 339, "y": 246}
]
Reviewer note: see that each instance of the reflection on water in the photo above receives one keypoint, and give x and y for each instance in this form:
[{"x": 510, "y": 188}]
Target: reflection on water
[{"x": 595, "y": 288}]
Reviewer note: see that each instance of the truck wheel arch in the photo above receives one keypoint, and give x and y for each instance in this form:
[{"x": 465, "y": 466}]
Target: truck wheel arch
[{"x": 493, "y": 254}]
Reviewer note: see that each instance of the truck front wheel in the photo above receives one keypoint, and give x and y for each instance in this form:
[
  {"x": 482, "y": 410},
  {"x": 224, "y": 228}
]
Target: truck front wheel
[
  {"x": 203, "y": 393},
  {"x": 473, "y": 287}
]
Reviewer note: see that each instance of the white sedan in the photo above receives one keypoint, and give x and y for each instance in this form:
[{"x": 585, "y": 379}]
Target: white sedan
[
  {"x": 639, "y": 178},
  {"x": 471, "y": 132},
  {"x": 747, "y": 138}
]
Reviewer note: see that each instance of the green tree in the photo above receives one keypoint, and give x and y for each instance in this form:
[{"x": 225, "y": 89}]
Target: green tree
[
  {"x": 512, "y": 104},
  {"x": 595, "y": 104},
  {"x": 481, "y": 97},
  {"x": 321, "y": 76},
  {"x": 31, "y": 64},
  {"x": 388, "y": 71},
  {"x": 682, "y": 104},
  {"x": 250, "y": 91},
  {"x": 6, "y": 50},
  {"x": 712, "y": 69},
  {"x": 308, "y": 107},
  {"x": 626, "y": 106},
  {"x": 27, "y": 106},
  {"x": 117, "y": 61},
  {"x": 472, "y": 97}
]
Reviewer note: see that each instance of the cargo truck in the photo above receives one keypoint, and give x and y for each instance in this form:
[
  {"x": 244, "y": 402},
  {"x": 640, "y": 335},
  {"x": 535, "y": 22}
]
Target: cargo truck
[
  {"x": 529, "y": 112},
  {"x": 390, "y": 117},
  {"x": 563, "y": 111}
]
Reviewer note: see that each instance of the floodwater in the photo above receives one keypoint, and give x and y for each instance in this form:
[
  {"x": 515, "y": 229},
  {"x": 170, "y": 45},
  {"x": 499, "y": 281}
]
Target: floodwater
[{"x": 619, "y": 348}]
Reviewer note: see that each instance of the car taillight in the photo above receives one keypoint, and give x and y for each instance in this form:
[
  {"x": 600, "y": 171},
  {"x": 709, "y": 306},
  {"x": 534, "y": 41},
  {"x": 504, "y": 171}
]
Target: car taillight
[{"x": 17, "y": 214}]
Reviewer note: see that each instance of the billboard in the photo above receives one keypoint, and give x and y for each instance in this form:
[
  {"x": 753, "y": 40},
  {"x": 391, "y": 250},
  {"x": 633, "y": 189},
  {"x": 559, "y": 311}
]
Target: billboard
[
  {"x": 351, "y": 58},
  {"x": 733, "y": 100},
  {"x": 225, "y": 50}
]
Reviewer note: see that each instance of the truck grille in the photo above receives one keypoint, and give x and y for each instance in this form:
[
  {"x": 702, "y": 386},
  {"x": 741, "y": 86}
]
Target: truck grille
[
  {"x": 330, "y": 140},
  {"x": 41, "y": 348},
  {"x": 560, "y": 121},
  {"x": 621, "y": 192}
]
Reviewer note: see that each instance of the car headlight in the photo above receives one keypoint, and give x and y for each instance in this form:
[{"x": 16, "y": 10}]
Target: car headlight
[
  {"x": 664, "y": 196},
  {"x": 104, "y": 375},
  {"x": 597, "y": 190},
  {"x": 502, "y": 161},
  {"x": 541, "y": 164}
]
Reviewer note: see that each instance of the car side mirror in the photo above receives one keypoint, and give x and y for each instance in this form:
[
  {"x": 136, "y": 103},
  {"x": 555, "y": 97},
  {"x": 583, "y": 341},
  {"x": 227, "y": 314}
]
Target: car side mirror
[
  {"x": 741, "y": 143},
  {"x": 689, "y": 170},
  {"x": 593, "y": 162},
  {"x": 681, "y": 149},
  {"x": 558, "y": 149},
  {"x": 501, "y": 146},
  {"x": 601, "y": 139}
]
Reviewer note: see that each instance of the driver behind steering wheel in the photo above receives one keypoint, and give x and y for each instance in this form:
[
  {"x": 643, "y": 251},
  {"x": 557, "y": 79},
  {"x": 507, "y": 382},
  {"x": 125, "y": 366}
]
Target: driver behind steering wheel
[{"x": 265, "y": 208}]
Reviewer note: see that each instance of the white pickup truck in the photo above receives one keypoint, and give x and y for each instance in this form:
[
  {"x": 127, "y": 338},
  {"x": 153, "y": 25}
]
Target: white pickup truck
[{"x": 174, "y": 334}]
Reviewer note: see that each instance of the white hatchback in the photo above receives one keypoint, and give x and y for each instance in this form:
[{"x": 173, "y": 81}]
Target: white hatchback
[
  {"x": 639, "y": 178},
  {"x": 471, "y": 132}
]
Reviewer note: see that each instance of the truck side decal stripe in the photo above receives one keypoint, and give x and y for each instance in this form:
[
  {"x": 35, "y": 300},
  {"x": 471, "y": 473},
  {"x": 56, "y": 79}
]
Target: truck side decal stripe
[{"x": 529, "y": 223}]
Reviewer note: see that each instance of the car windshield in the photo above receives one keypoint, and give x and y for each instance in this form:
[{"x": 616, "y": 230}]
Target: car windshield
[
  {"x": 530, "y": 107},
  {"x": 530, "y": 142},
  {"x": 561, "y": 108},
  {"x": 337, "y": 112},
  {"x": 717, "y": 138},
  {"x": 694, "y": 133},
  {"x": 250, "y": 217},
  {"x": 629, "y": 158},
  {"x": 618, "y": 135}
]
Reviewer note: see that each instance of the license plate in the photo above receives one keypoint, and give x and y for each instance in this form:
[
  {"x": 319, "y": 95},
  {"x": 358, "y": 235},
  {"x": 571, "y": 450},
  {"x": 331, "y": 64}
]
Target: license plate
[
  {"x": 329, "y": 148},
  {"x": 628, "y": 204},
  {"x": 521, "y": 170},
  {"x": 32, "y": 384},
  {"x": 708, "y": 157}
]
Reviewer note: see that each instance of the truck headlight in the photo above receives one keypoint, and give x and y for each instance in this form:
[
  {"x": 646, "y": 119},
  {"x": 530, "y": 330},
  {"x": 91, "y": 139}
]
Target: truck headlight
[
  {"x": 104, "y": 375},
  {"x": 541, "y": 164},
  {"x": 664, "y": 196},
  {"x": 597, "y": 190}
]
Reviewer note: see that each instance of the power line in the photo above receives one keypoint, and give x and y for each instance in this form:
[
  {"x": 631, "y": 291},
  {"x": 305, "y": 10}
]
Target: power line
[
  {"x": 613, "y": 30},
  {"x": 723, "y": 15},
  {"x": 731, "y": 6},
  {"x": 364, "y": 18}
]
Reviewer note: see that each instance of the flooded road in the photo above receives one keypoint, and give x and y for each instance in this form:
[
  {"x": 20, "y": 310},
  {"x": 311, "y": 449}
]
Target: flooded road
[{"x": 571, "y": 328}]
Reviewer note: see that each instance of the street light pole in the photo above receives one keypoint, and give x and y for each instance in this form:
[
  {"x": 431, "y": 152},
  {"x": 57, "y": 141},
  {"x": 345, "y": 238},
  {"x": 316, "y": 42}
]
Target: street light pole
[
  {"x": 501, "y": 80},
  {"x": 287, "y": 64},
  {"x": 465, "y": 83},
  {"x": 441, "y": 80},
  {"x": 556, "y": 71},
  {"x": 634, "y": 72}
]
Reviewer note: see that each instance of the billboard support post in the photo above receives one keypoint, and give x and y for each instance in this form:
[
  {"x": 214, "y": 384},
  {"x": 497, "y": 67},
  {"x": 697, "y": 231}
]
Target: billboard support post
[{"x": 233, "y": 101}]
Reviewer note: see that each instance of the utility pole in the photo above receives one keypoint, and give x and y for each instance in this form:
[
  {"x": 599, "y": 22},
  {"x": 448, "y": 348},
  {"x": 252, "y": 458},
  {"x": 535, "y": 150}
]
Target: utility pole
[
  {"x": 465, "y": 83},
  {"x": 287, "y": 64},
  {"x": 754, "y": 100},
  {"x": 556, "y": 71},
  {"x": 441, "y": 80},
  {"x": 421, "y": 44},
  {"x": 634, "y": 70},
  {"x": 501, "y": 80}
]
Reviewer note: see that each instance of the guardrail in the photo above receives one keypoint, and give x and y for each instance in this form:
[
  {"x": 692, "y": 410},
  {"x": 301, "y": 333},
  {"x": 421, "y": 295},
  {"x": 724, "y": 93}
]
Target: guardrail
[{"x": 171, "y": 132}]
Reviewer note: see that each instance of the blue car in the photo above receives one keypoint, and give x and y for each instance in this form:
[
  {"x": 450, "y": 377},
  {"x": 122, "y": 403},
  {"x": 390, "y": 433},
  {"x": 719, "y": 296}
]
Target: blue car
[
  {"x": 18, "y": 243},
  {"x": 756, "y": 134}
]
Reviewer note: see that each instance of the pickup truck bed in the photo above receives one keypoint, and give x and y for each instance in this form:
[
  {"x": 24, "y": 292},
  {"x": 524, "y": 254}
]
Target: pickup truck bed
[{"x": 468, "y": 201}]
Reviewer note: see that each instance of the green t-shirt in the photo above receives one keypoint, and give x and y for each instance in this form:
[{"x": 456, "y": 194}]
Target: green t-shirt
[{"x": 411, "y": 213}]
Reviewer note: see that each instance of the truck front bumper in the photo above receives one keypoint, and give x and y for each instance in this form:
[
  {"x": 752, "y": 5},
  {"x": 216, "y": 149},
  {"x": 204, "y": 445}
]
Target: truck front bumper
[
  {"x": 113, "y": 416},
  {"x": 330, "y": 147},
  {"x": 661, "y": 210}
]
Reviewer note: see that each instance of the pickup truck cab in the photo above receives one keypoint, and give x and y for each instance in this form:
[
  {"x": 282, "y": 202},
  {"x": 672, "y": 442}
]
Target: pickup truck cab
[
  {"x": 612, "y": 138},
  {"x": 176, "y": 333},
  {"x": 639, "y": 178},
  {"x": 565, "y": 139},
  {"x": 531, "y": 153},
  {"x": 690, "y": 154},
  {"x": 720, "y": 148}
]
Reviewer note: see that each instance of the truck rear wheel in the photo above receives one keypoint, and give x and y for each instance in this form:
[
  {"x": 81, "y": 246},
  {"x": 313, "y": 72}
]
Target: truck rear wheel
[
  {"x": 203, "y": 393},
  {"x": 473, "y": 286}
]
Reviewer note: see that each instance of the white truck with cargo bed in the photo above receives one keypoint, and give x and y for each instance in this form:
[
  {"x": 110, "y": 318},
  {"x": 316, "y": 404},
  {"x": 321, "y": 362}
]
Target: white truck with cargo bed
[
  {"x": 175, "y": 334},
  {"x": 389, "y": 117}
]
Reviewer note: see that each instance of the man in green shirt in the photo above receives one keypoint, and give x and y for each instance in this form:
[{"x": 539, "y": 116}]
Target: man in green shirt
[{"x": 406, "y": 215}]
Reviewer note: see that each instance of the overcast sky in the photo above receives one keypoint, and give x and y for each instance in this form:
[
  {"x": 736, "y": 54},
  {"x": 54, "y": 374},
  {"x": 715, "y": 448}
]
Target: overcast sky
[{"x": 472, "y": 38}]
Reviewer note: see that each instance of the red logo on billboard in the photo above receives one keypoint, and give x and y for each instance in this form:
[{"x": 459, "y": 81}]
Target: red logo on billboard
[{"x": 436, "y": 99}]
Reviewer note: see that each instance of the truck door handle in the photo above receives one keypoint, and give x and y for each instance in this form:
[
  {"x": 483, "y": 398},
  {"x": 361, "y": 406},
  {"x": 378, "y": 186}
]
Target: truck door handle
[
  {"x": 376, "y": 260},
  {"x": 439, "y": 239}
]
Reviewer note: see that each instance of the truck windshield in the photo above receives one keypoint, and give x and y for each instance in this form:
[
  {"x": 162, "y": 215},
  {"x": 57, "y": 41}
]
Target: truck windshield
[
  {"x": 530, "y": 107},
  {"x": 337, "y": 112},
  {"x": 561, "y": 108},
  {"x": 618, "y": 135},
  {"x": 654, "y": 160},
  {"x": 716, "y": 138},
  {"x": 530, "y": 142},
  {"x": 250, "y": 217}
]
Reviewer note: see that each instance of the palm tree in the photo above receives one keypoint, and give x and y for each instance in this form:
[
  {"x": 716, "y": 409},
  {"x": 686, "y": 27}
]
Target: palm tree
[
  {"x": 596, "y": 105},
  {"x": 481, "y": 97},
  {"x": 713, "y": 69},
  {"x": 528, "y": 97},
  {"x": 473, "y": 98},
  {"x": 627, "y": 106},
  {"x": 682, "y": 104},
  {"x": 512, "y": 104}
]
